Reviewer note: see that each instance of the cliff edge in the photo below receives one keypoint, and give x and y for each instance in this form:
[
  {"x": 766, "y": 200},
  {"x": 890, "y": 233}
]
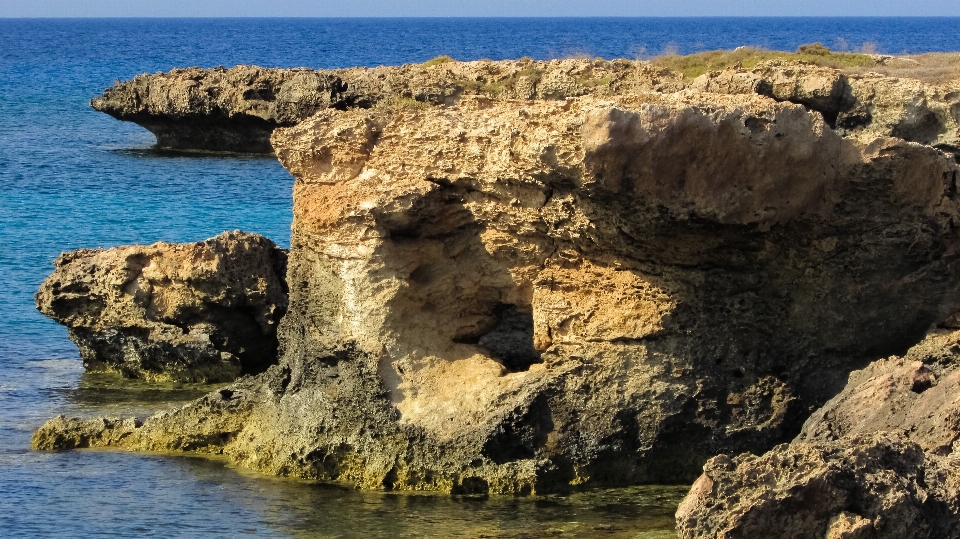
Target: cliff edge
[{"x": 237, "y": 109}]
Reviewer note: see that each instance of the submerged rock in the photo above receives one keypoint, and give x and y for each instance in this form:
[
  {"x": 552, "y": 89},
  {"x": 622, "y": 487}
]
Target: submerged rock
[
  {"x": 197, "y": 312},
  {"x": 879, "y": 460},
  {"x": 516, "y": 296}
]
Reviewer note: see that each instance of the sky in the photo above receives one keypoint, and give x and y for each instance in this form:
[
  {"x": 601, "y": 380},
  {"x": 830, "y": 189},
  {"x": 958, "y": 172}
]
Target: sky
[{"x": 464, "y": 8}]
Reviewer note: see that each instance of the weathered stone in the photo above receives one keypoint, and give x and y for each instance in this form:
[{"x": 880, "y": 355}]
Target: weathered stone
[
  {"x": 918, "y": 395},
  {"x": 202, "y": 312},
  {"x": 515, "y": 296},
  {"x": 868, "y": 105},
  {"x": 876, "y": 486},
  {"x": 236, "y": 109},
  {"x": 900, "y": 404}
]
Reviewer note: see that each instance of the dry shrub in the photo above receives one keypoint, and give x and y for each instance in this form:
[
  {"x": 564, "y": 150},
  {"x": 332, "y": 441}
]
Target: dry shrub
[
  {"x": 932, "y": 68},
  {"x": 442, "y": 59},
  {"x": 816, "y": 49},
  {"x": 694, "y": 65}
]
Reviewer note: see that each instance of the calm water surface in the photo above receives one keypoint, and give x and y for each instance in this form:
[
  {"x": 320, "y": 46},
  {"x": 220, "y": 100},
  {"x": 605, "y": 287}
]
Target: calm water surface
[{"x": 71, "y": 177}]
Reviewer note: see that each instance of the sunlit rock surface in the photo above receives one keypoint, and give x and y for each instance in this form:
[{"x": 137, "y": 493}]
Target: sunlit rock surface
[{"x": 194, "y": 312}]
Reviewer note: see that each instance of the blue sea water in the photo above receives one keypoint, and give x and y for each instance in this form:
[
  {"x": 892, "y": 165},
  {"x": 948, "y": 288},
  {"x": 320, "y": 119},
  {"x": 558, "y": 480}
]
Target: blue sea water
[{"x": 71, "y": 177}]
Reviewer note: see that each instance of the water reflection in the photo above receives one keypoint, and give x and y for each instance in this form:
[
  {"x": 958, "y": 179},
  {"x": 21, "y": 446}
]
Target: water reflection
[{"x": 326, "y": 511}]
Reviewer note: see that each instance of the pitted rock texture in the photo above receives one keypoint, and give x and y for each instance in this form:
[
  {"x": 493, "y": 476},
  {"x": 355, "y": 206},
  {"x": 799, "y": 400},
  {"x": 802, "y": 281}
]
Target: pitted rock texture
[
  {"x": 236, "y": 109},
  {"x": 870, "y": 486},
  {"x": 197, "y": 312},
  {"x": 864, "y": 104},
  {"x": 515, "y": 296},
  {"x": 917, "y": 395},
  {"x": 857, "y": 469}
]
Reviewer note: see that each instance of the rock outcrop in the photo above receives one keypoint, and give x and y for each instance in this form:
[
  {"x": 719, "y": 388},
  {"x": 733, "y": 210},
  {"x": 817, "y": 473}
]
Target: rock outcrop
[
  {"x": 879, "y": 460},
  {"x": 917, "y": 395},
  {"x": 197, "y": 312},
  {"x": 518, "y": 296},
  {"x": 237, "y": 109},
  {"x": 876, "y": 486},
  {"x": 862, "y": 104}
]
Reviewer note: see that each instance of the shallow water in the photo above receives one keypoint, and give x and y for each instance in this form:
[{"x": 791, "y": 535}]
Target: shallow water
[{"x": 71, "y": 177}]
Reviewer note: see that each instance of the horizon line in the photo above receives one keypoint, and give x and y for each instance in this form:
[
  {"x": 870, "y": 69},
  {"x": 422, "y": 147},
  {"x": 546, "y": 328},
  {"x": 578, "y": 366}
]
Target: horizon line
[{"x": 355, "y": 17}]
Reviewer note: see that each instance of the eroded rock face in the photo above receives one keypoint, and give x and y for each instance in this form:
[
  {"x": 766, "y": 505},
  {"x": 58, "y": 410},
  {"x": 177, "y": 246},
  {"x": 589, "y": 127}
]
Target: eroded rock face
[
  {"x": 918, "y": 395},
  {"x": 870, "y": 486},
  {"x": 236, "y": 109},
  {"x": 865, "y": 105},
  {"x": 199, "y": 312},
  {"x": 515, "y": 296},
  {"x": 878, "y": 460}
]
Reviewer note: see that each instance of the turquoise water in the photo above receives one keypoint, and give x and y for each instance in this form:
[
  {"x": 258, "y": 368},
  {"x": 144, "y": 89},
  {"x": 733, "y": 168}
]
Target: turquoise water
[{"x": 71, "y": 177}]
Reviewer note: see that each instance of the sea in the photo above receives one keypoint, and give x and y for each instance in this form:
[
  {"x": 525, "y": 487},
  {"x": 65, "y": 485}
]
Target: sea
[{"x": 71, "y": 177}]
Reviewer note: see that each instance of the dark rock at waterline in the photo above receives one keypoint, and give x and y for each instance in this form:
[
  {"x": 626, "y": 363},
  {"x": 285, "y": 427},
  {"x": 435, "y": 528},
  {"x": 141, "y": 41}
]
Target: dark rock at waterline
[{"x": 200, "y": 312}]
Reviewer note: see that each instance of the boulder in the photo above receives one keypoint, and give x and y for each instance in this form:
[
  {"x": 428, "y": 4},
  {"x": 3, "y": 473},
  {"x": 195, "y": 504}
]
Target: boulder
[
  {"x": 917, "y": 395},
  {"x": 878, "y": 460},
  {"x": 869, "y": 486},
  {"x": 194, "y": 312}
]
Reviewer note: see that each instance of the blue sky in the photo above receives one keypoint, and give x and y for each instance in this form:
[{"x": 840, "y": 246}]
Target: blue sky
[{"x": 463, "y": 8}]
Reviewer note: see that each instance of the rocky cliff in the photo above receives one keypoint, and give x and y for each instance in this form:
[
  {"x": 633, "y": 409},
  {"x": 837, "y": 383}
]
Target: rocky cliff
[
  {"x": 531, "y": 296},
  {"x": 879, "y": 460},
  {"x": 236, "y": 109},
  {"x": 196, "y": 312}
]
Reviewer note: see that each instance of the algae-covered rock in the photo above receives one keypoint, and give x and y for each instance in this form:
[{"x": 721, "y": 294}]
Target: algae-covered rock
[{"x": 197, "y": 312}]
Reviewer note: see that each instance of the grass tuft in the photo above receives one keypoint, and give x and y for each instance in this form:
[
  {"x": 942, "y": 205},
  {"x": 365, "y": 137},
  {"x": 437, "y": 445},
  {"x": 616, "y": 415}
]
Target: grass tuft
[{"x": 442, "y": 59}]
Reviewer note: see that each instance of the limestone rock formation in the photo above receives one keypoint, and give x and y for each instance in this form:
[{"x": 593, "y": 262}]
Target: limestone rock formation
[
  {"x": 236, "y": 109},
  {"x": 878, "y": 460},
  {"x": 200, "y": 312},
  {"x": 532, "y": 296},
  {"x": 917, "y": 395},
  {"x": 870, "y": 486},
  {"x": 865, "y": 104}
]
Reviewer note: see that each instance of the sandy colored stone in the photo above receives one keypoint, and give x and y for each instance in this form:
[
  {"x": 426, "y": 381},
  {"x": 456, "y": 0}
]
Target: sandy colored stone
[
  {"x": 918, "y": 395},
  {"x": 531, "y": 296},
  {"x": 877, "y": 486},
  {"x": 197, "y": 312},
  {"x": 236, "y": 109},
  {"x": 868, "y": 104},
  {"x": 910, "y": 403}
]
